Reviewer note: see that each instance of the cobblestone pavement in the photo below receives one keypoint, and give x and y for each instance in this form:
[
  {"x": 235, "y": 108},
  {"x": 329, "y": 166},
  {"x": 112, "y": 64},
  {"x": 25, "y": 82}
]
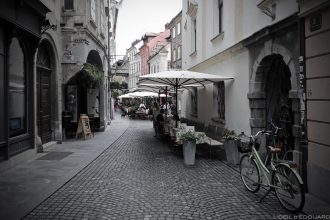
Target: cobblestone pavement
[{"x": 140, "y": 177}]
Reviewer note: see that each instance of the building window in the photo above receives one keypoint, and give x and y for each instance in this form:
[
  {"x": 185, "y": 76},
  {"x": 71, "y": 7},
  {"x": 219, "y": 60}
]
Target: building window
[
  {"x": 219, "y": 100},
  {"x": 173, "y": 32},
  {"x": 194, "y": 102},
  {"x": 178, "y": 28},
  {"x": 102, "y": 23},
  {"x": 193, "y": 36},
  {"x": 218, "y": 17},
  {"x": 93, "y": 11},
  {"x": 179, "y": 53},
  {"x": 17, "y": 90},
  {"x": 68, "y": 4},
  {"x": 220, "y": 9},
  {"x": 174, "y": 54}
]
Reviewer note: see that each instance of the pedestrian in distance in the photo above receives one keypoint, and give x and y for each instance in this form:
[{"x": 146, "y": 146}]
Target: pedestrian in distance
[
  {"x": 160, "y": 123},
  {"x": 155, "y": 112}
]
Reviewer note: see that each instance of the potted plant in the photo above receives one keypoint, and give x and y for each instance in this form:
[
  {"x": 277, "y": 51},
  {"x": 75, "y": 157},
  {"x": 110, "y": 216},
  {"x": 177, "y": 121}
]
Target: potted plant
[
  {"x": 230, "y": 139},
  {"x": 189, "y": 139}
]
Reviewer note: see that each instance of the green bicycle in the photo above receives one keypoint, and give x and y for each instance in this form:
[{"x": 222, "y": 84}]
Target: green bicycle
[{"x": 279, "y": 177}]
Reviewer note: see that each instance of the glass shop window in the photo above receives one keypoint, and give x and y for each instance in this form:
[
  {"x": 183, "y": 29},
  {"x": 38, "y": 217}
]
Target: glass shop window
[{"x": 17, "y": 90}]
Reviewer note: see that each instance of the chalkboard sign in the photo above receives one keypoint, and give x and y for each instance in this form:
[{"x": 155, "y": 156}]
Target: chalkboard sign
[{"x": 84, "y": 128}]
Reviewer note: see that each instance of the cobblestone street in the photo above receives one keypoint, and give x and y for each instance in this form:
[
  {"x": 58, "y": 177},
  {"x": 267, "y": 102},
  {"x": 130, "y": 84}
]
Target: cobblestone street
[{"x": 141, "y": 177}]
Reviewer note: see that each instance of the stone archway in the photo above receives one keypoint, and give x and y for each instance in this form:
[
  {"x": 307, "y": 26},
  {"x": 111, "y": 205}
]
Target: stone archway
[
  {"x": 271, "y": 99},
  {"x": 45, "y": 71},
  {"x": 82, "y": 97}
]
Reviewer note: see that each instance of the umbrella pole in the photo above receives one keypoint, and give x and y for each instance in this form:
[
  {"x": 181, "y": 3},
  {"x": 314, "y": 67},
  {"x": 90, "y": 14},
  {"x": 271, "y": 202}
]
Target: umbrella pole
[
  {"x": 176, "y": 103},
  {"x": 166, "y": 102}
]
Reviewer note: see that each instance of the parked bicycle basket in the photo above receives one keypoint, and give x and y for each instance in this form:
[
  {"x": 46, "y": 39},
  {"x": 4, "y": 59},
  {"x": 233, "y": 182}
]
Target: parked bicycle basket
[{"x": 244, "y": 143}]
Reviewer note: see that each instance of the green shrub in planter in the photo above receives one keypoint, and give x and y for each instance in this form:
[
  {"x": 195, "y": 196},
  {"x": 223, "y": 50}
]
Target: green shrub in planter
[
  {"x": 191, "y": 136},
  {"x": 231, "y": 140},
  {"x": 229, "y": 135}
]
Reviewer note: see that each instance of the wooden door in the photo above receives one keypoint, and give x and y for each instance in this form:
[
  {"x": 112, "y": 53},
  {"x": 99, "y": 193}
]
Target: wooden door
[{"x": 44, "y": 104}]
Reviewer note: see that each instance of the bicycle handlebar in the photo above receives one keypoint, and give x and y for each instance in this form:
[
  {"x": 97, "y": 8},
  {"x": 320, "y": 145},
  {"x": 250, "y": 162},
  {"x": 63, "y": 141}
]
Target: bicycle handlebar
[{"x": 275, "y": 127}]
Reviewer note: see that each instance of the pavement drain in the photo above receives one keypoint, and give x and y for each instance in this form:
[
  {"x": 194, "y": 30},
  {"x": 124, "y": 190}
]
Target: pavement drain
[{"x": 55, "y": 156}]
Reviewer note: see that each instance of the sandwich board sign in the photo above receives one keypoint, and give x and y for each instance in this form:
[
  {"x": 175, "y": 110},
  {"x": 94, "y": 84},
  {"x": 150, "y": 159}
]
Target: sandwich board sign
[{"x": 84, "y": 128}]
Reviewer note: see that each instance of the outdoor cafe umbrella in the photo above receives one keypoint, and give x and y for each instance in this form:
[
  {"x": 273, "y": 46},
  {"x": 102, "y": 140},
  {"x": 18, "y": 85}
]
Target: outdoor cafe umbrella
[
  {"x": 128, "y": 96},
  {"x": 180, "y": 79},
  {"x": 145, "y": 94}
]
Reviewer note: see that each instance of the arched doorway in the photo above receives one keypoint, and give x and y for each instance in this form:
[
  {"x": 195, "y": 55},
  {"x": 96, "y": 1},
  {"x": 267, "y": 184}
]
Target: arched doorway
[
  {"x": 83, "y": 90},
  {"x": 44, "y": 112},
  {"x": 274, "y": 77}
]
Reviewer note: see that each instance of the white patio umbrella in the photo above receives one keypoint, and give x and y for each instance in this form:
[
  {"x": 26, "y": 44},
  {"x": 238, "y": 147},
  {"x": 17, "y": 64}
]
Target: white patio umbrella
[
  {"x": 144, "y": 94},
  {"x": 180, "y": 79},
  {"x": 127, "y": 96}
]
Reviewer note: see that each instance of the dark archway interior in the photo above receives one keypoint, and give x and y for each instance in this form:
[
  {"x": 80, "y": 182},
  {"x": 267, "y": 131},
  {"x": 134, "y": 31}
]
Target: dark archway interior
[
  {"x": 275, "y": 74},
  {"x": 79, "y": 85},
  {"x": 277, "y": 85}
]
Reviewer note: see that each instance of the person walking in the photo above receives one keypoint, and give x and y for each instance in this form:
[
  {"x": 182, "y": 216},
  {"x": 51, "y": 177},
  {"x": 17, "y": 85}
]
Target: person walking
[{"x": 155, "y": 112}]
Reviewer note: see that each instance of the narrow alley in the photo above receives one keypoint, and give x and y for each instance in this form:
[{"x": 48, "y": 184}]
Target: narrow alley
[{"x": 141, "y": 177}]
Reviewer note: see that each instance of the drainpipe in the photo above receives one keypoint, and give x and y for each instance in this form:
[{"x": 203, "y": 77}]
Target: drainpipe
[{"x": 109, "y": 65}]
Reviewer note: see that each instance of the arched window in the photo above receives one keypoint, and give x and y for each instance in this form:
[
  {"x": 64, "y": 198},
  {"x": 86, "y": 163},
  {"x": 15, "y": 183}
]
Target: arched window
[{"x": 17, "y": 89}]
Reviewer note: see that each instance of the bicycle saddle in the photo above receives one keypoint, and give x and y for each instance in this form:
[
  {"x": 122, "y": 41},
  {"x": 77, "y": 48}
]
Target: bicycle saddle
[{"x": 274, "y": 149}]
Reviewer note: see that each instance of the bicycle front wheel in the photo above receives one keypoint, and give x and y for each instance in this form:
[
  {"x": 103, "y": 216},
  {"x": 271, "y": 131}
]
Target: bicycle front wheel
[
  {"x": 289, "y": 190},
  {"x": 250, "y": 174}
]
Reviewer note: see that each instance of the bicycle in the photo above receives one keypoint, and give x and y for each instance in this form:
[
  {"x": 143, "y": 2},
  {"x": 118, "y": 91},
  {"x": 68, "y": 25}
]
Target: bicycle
[
  {"x": 284, "y": 154},
  {"x": 286, "y": 182}
]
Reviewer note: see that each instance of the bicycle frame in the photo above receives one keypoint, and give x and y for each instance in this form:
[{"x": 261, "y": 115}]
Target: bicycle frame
[
  {"x": 278, "y": 177},
  {"x": 264, "y": 171}
]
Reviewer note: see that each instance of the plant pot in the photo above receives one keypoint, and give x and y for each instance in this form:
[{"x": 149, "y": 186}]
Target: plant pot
[
  {"x": 189, "y": 152},
  {"x": 232, "y": 153}
]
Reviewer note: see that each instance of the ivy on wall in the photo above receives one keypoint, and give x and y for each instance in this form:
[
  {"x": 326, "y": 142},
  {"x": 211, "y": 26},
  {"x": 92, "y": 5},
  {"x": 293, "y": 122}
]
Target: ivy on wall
[{"x": 92, "y": 76}]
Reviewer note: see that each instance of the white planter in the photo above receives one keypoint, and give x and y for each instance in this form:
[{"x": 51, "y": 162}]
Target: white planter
[
  {"x": 232, "y": 153},
  {"x": 189, "y": 151}
]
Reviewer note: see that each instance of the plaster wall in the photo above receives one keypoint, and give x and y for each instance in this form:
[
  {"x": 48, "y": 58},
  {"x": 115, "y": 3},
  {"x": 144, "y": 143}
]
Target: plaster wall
[
  {"x": 237, "y": 111},
  {"x": 241, "y": 19}
]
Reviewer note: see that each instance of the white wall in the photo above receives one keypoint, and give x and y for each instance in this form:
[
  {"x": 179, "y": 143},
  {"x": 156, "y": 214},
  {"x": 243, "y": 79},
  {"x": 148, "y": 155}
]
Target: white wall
[
  {"x": 237, "y": 111},
  {"x": 241, "y": 19},
  {"x": 222, "y": 54}
]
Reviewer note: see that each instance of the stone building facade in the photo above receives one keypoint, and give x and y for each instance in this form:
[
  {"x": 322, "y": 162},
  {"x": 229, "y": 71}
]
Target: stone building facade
[
  {"x": 134, "y": 70},
  {"x": 84, "y": 40},
  {"x": 315, "y": 32},
  {"x": 160, "y": 57},
  {"x": 175, "y": 25},
  {"x": 150, "y": 40},
  {"x": 51, "y": 42},
  {"x": 21, "y": 23}
]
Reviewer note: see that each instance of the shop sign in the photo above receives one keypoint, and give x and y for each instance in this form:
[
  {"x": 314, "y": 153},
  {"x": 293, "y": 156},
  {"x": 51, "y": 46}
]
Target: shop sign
[{"x": 315, "y": 22}]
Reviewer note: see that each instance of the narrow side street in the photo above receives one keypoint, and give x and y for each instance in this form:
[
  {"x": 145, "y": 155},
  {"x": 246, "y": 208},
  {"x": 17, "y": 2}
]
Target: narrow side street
[{"x": 140, "y": 177}]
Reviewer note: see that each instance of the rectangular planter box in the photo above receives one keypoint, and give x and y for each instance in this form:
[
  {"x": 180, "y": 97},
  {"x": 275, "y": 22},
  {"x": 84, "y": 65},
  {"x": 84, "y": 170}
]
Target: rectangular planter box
[{"x": 232, "y": 154}]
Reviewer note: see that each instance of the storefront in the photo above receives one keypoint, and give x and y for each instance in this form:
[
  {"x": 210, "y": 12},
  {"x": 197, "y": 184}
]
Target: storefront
[
  {"x": 20, "y": 25},
  {"x": 83, "y": 92}
]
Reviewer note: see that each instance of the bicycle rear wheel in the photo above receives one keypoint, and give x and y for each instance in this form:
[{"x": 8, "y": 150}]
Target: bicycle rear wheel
[
  {"x": 289, "y": 190},
  {"x": 250, "y": 174}
]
